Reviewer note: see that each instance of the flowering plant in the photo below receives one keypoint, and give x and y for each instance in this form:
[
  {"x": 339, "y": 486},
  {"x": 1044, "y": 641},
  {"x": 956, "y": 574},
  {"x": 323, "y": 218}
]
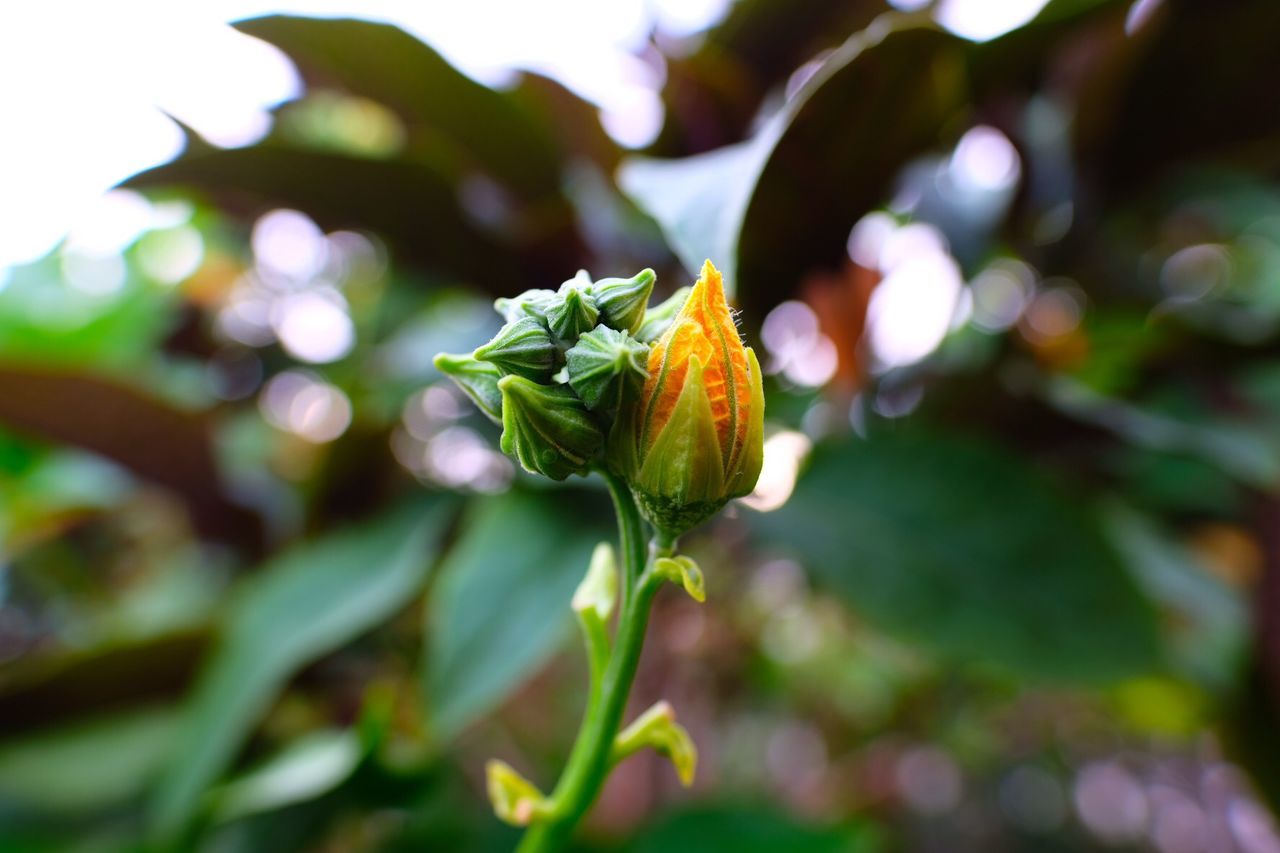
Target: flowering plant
[{"x": 666, "y": 404}]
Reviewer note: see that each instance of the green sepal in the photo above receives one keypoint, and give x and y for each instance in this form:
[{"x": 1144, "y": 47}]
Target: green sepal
[
  {"x": 685, "y": 572},
  {"x": 658, "y": 318},
  {"x": 477, "y": 379},
  {"x": 515, "y": 799},
  {"x": 681, "y": 478},
  {"x": 746, "y": 469},
  {"x": 531, "y": 303},
  {"x": 657, "y": 728},
  {"x": 571, "y": 314},
  {"x": 622, "y": 301},
  {"x": 523, "y": 348},
  {"x": 673, "y": 516},
  {"x": 602, "y": 362},
  {"x": 547, "y": 428}
]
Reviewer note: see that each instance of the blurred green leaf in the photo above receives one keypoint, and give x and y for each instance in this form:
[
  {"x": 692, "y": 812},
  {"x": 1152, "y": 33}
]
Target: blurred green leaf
[
  {"x": 769, "y": 209},
  {"x": 306, "y": 768},
  {"x": 1247, "y": 452},
  {"x": 303, "y": 604},
  {"x": 699, "y": 201},
  {"x": 501, "y": 605},
  {"x": 45, "y": 320},
  {"x": 960, "y": 547},
  {"x": 1210, "y": 628},
  {"x": 88, "y": 766},
  {"x": 746, "y": 829}
]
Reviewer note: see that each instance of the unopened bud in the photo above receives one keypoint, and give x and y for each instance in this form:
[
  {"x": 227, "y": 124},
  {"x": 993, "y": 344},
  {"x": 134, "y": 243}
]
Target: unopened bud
[
  {"x": 531, "y": 303},
  {"x": 547, "y": 428},
  {"x": 603, "y": 362},
  {"x": 571, "y": 314},
  {"x": 622, "y": 301},
  {"x": 696, "y": 437},
  {"x": 477, "y": 379},
  {"x": 598, "y": 590},
  {"x": 523, "y": 348}
]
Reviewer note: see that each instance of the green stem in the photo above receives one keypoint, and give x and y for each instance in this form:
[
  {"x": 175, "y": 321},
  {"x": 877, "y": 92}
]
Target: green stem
[
  {"x": 630, "y": 531},
  {"x": 595, "y": 637},
  {"x": 588, "y": 763}
]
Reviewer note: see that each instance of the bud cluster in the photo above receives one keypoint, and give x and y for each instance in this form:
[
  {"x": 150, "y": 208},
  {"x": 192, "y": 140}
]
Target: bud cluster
[{"x": 590, "y": 376}]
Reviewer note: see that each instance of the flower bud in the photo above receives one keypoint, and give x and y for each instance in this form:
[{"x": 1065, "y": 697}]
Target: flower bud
[
  {"x": 477, "y": 379},
  {"x": 571, "y": 314},
  {"x": 547, "y": 428},
  {"x": 695, "y": 439},
  {"x": 658, "y": 318},
  {"x": 522, "y": 347},
  {"x": 531, "y": 303},
  {"x": 598, "y": 591},
  {"x": 622, "y": 301},
  {"x": 605, "y": 362}
]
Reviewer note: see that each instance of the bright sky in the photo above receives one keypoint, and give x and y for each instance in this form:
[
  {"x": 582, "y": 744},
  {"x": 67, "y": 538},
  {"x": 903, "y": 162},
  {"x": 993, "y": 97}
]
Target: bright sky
[{"x": 83, "y": 84}]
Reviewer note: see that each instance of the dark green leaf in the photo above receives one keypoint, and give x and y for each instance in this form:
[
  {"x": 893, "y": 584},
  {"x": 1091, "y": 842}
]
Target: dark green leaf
[
  {"x": 960, "y": 547},
  {"x": 441, "y": 106},
  {"x": 46, "y": 689},
  {"x": 713, "y": 94},
  {"x": 304, "y": 604},
  {"x": 744, "y": 829},
  {"x": 411, "y": 205},
  {"x": 768, "y": 209},
  {"x": 1157, "y": 104},
  {"x": 502, "y": 603}
]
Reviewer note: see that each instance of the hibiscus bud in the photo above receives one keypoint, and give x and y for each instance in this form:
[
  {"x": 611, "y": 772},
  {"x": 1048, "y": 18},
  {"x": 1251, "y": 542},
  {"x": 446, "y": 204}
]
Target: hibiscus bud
[
  {"x": 658, "y": 318},
  {"x": 571, "y": 313},
  {"x": 695, "y": 439},
  {"x": 547, "y": 428},
  {"x": 605, "y": 362},
  {"x": 598, "y": 591},
  {"x": 522, "y": 347},
  {"x": 531, "y": 303},
  {"x": 477, "y": 379},
  {"x": 622, "y": 301}
]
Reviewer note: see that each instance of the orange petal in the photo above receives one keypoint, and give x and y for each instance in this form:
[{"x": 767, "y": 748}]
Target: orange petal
[{"x": 705, "y": 328}]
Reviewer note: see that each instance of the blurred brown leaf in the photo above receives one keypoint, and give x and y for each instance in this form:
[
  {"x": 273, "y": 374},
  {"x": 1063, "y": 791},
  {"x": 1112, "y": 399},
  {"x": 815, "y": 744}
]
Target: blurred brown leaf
[{"x": 142, "y": 433}]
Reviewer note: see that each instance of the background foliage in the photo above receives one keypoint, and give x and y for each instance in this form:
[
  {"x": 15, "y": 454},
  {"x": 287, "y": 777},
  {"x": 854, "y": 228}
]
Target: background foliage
[{"x": 1007, "y": 584}]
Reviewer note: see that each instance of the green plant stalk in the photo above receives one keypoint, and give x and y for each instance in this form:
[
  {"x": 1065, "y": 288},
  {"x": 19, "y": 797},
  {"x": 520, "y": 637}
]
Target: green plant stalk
[
  {"x": 589, "y": 763},
  {"x": 630, "y": 531}
]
